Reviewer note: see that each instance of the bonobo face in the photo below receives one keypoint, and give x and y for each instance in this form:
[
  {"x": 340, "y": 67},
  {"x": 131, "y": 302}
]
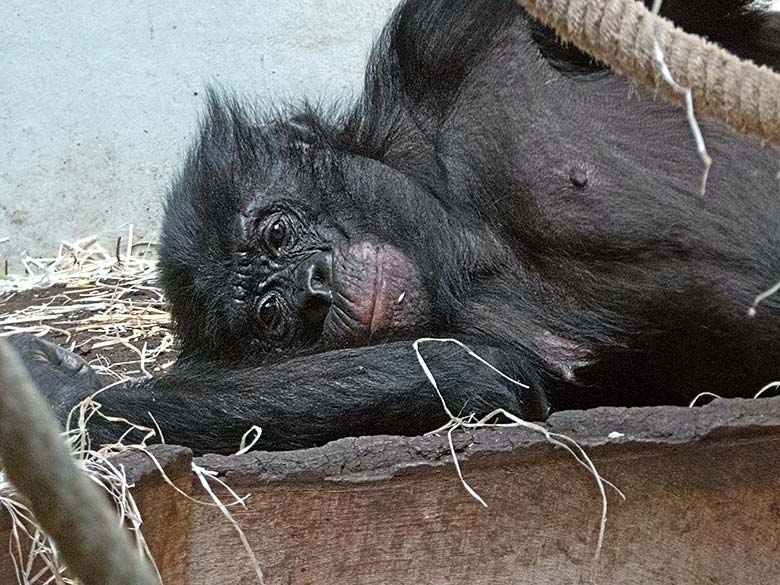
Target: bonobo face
[
  {"x": 269, "y": 246},
  {"x": 302, "y": 282}
]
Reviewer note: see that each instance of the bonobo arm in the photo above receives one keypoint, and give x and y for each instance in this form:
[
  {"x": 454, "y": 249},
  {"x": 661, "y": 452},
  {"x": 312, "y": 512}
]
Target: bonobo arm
[{"x": 305, "y": 401}]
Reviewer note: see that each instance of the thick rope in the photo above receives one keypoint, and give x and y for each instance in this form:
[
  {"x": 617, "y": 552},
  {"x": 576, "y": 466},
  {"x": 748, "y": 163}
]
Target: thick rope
[
  {"x": 69, "y": 506},
  {"x": 622, "y": 34}
]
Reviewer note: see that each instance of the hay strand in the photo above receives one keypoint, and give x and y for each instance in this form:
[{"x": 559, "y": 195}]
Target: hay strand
[{"x": 471, "y": 422}]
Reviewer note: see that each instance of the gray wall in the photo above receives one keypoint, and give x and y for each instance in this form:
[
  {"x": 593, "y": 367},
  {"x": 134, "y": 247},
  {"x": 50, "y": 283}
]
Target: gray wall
[{"x": 98, "y": 100}]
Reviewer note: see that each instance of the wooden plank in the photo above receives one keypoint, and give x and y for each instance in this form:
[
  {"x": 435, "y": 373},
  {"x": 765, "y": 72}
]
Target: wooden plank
[
  {"x": 166, "y": 514},
  {"x": 702, "y": 506},
  {"x": 702, "y": 488}
]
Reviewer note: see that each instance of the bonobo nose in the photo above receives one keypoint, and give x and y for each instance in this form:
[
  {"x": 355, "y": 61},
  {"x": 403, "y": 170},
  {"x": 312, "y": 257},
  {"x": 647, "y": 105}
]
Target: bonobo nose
[{"x": 314, "y": 276}]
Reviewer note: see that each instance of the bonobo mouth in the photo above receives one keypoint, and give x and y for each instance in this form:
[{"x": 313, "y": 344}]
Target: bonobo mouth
[{"x": 377, "y": 292}]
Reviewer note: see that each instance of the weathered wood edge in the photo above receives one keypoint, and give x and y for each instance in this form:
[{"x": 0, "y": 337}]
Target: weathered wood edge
[
  {"x": 139, "y": 467},
  {"x": 382, "y": 457},
  {"x": 377, "y": 458}
]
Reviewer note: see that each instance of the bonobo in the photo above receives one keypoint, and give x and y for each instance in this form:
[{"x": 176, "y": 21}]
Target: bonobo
[{"x": 488, "y": 184}]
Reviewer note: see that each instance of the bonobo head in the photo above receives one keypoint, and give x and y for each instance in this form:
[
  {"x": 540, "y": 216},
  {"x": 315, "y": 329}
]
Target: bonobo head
[{"x": 272, "y": 242}]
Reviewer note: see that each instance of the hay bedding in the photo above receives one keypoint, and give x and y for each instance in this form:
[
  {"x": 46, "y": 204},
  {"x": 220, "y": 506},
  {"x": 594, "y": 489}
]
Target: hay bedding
[
  {"x": 110, "y": 334},
  {"x": 103, "y": 305},
  {"x": 106, "y": 306}
]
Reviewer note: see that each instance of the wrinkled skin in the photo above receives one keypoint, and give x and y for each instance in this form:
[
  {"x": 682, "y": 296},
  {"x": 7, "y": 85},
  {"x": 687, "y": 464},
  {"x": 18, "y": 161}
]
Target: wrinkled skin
[{"x": 489, "y": 185}]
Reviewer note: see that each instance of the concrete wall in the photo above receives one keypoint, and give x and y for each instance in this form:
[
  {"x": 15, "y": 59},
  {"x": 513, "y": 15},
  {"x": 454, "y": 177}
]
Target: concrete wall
[{"x": 98, "y": 100}]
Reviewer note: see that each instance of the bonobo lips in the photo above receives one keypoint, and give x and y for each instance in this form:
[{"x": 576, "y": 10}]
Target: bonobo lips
[{"x": 377, "y": 291}]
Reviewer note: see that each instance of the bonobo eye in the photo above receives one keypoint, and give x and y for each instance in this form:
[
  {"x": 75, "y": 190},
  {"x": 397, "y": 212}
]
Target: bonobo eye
[
  {"x": 269, "y": 313},
  {"x": 276, "y": 233}
]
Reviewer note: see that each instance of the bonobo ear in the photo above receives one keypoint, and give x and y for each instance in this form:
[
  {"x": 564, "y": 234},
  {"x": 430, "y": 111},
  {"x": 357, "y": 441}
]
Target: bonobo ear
[
  {"x": 302, "y": 124},
  {"x": 303, "y": 130}
]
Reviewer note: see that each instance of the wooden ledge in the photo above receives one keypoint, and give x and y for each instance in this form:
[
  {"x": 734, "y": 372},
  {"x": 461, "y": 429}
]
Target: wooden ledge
[
  {"x": 382, "y": 457},
  {"x": 702, "y": 505}
]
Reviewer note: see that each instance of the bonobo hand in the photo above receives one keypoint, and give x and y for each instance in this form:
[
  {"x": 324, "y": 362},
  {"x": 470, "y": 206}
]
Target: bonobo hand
[{"x": 63, "y": 378}]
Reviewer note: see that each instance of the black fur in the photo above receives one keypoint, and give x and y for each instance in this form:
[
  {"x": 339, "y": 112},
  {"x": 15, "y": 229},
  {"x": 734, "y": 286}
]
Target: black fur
[{"x": 551, "y": 211}]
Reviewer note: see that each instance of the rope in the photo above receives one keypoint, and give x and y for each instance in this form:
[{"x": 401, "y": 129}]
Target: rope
[{"x": 622, "y": 34}]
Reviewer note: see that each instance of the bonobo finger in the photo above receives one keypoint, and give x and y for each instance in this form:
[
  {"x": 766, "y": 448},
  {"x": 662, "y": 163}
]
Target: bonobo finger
[
  {"x": 32, "y": 348},
  {"x": 37, "y": 349},
  {"x": 62, "y": 377},
  {"x": 28, "y": 347}
]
